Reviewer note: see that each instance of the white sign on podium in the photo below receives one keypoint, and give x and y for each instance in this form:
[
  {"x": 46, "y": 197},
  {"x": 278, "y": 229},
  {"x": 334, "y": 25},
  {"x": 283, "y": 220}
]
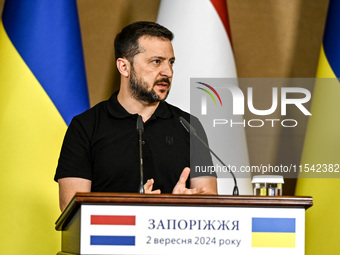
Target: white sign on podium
[{"x": 167, "y": 229}]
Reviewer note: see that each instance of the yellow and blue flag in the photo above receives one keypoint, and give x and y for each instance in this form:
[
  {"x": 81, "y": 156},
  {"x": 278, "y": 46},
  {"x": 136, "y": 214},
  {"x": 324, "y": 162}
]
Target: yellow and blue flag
[
  {"x": 321, "y": 145},
  {"x": 273, "y": 232},
  {"x": 42, "y": 86}
]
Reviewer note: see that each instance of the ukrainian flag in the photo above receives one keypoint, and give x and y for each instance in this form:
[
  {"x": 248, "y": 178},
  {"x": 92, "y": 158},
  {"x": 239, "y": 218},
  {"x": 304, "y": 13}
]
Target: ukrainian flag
[
  {"x": 42, "y": 86},
  {"x": 322, "y": 144},
  {"x": 273, "y": 232}
]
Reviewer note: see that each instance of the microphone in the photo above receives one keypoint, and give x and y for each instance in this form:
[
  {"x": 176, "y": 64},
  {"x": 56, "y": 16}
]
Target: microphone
[
  {"x": 191, "y": 130},
  {"x": 140, "y": 129}
]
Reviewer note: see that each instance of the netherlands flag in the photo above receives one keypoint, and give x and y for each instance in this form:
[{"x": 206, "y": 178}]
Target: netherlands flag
[
  {"x": 116, "y": 238},
  {"x": 203, "y": 49}
]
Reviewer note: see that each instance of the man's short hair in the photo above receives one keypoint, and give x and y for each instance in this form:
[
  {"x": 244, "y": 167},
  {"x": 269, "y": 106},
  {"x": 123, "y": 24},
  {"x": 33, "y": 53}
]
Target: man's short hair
[{"x": 126, "y": 42}]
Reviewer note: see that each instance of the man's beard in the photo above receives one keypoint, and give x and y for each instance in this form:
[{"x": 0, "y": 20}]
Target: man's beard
[{"x": 139, "y": 89}]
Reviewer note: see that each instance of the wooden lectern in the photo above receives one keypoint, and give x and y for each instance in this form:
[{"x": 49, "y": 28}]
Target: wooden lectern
[{"x": 112, "y": 223}]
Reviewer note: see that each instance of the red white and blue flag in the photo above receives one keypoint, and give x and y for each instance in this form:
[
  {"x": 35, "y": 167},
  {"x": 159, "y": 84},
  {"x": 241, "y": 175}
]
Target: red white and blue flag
[
  {"x": 116, "y": 238},
  {"x": 203, "y": 49}
]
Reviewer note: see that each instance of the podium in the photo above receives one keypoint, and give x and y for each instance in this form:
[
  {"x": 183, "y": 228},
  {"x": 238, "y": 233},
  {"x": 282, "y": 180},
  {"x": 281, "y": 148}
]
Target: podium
[{"x": 120, "y": 223}]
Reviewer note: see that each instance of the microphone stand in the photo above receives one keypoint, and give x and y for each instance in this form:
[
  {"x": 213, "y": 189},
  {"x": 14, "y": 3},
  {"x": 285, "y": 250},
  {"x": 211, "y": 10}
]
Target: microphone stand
[
  {"x": 140, "y": 129},
  {"x": 190, "y": 129}
]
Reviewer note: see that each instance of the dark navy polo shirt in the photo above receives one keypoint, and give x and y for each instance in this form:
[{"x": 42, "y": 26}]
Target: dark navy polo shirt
[{"x": 101, "y": 145}]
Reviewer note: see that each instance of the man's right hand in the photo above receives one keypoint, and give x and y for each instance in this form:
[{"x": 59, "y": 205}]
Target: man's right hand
[{"x": 148, "y": 187}]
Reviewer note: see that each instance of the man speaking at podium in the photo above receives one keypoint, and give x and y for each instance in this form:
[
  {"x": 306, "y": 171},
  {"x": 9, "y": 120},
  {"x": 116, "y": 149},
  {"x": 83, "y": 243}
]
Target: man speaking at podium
[{"x": 101, "y": 148}]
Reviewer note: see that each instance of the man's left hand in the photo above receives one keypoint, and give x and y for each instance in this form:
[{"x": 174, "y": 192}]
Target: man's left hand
[{"x": 181, "y": 188}]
